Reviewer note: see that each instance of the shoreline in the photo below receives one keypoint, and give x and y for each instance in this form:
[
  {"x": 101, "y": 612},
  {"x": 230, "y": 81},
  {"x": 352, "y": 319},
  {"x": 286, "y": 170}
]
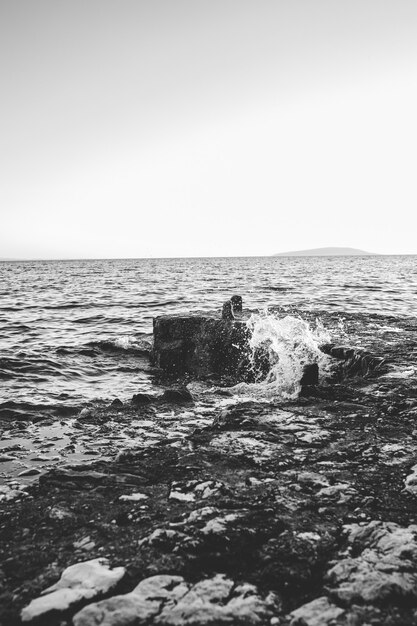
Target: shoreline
[{"x": 287, "y": 498}]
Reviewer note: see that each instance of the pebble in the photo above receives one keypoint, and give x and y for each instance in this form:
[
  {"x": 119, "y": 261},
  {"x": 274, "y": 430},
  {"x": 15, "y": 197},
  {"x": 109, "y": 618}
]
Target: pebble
[{"x": 134, "y": 497}]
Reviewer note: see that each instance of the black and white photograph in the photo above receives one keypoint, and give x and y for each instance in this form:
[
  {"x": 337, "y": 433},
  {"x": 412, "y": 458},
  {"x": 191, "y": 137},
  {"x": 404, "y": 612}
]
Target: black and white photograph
[{"x": 208, "y": 313}]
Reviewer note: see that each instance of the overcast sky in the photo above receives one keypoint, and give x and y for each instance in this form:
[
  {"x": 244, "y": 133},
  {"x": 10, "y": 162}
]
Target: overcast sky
[{"x": 133, "y": 128}]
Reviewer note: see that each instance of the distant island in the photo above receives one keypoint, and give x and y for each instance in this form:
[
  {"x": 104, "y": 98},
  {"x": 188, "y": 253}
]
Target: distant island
[{"x": 326, "y": 252}]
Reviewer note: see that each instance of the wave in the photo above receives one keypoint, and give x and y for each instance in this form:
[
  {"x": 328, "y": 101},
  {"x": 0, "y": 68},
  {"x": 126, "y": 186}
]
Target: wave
[
  {"x": 23, "y": 364},
  {"x": 35, "y": 411},
  {"x": 284, "y": 346},
  {"x": 129, "y": 344}
]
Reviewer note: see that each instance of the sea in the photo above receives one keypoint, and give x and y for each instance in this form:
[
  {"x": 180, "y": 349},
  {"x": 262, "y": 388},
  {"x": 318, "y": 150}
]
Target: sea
[{"x": 78, "y": 331}]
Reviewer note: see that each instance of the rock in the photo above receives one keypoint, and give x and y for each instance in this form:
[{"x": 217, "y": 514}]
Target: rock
[
  {"x": 384, "y": 568},
  {"x": 116, "y": 404},
  {"x": 9, "y": 493},
  {"x": 333, "y": 490},
  {"x": 84, "y": 543},
  {"x": 169, "y": 601},
  {"x": 310, "y": 375},
  {"x": 177, "y": 395},
  {"x": 134, "y": 497},
  {"x": 313, "y": 479},
  {"x": 82, "y": 581},
  {"x": 32, "y": 471},
  {"x": 141, "y": 398},
  {"x": 218, "y": 525},
  {"x": 201, "y": 345},
  {"x": 319, "y": 612},
  {"x": 136, "y": 607},
  {"x": 237, "y": 304},
  {"x": 354, "y": 361},
  {"x": 227, "y": 311},
  {"x": 59, "y": 513},
  {"x": 411, "y": 481}
]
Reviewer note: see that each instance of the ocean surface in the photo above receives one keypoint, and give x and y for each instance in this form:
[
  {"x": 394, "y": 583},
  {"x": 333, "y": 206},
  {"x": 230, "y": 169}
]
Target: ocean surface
[{"x": 75, "y": 331}]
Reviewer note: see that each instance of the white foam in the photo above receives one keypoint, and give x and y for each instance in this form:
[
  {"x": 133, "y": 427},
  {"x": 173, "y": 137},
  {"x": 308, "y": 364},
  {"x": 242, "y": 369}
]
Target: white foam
[
  {"x": 290, "y": 343},
  {"x": 126, "y": 342}
]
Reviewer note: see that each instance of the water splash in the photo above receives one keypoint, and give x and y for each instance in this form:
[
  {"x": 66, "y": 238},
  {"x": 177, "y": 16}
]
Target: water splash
[{"x": 280, "y": 349}]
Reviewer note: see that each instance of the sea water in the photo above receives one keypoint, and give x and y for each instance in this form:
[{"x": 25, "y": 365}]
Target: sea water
[{"x": 74, "y": 331}]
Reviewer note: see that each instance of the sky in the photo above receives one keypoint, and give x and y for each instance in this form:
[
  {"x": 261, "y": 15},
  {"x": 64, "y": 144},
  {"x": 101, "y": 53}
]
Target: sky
[{"x": 173, "y": 128}]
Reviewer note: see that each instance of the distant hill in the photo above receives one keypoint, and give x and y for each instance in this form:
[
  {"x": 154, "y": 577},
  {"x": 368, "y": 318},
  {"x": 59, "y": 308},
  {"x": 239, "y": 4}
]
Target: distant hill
[{"x": 326, "y": 252}]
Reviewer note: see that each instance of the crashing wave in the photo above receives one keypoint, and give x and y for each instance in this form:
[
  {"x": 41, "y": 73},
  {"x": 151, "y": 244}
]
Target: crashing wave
[{"x": 280, "y": 348}]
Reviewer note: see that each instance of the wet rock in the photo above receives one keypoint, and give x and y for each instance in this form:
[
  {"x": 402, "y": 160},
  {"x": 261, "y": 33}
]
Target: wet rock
[
  {"x": 319, "y": 612},
  {"x": 85, "y": 413},
  {"x": 227, "y": 311},
  {"x": 116, "y": 404},
  {"x": 237, "y": 304},
  {"x": 140, "y": 399},
  {"x": 32, "y": 471},
  {"x": 177, "y": 395},
  {"x": 82, "y": 581},
  {"x": 200, "y": 345},
  {"x": 170, "y": 601},
  {"x": 354, "y": 361},
  {"x": 310, "y": 375},
  {"x": 5, "y": 458}
]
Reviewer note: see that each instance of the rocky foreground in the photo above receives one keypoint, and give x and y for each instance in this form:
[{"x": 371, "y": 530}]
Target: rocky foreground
[{"x": 301, "y": 513}]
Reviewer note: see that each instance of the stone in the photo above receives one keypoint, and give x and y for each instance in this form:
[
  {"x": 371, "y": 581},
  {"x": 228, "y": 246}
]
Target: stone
[
  {"x": 136, "y": 607},
  {"x": 32, "y": 471},
  {"x": 354, "y": 361},
  {"x": 310, "y": 375},
  {"x": 384, "y": 568},
  {"x": 319, "y": 612},
  {"x": 411, "y": 481},
  {"x": 237, "y": 304},
  {"x": 166, "y": 600},
  {"x": 177, "y": 395},
  {"x": 11, "y": 493},
  {"x": 134, "y": 497},
  {"x": 116, "y": 404},
  {"x": 201, "y": 345},
  {"x": 79, "y": 582},
  {"x": 227, "y": 311},
  {"x": 141, "y": 398}
]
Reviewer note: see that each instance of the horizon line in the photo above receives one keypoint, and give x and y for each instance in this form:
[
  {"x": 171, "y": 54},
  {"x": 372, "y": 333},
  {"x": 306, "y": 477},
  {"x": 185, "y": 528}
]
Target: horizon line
[{"x": 237, "y": 256}]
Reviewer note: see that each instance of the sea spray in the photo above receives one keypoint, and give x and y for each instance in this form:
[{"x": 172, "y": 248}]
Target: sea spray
[{"x": 280, "y": 349}]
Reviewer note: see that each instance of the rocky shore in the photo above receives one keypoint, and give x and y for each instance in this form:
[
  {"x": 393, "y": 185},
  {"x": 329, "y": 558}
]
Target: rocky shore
[{"x": 229, "y": 510}]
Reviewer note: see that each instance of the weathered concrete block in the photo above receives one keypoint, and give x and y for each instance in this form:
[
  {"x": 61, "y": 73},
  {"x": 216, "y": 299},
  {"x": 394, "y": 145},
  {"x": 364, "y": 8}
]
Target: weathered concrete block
[{"x": 201, "y": 345}]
